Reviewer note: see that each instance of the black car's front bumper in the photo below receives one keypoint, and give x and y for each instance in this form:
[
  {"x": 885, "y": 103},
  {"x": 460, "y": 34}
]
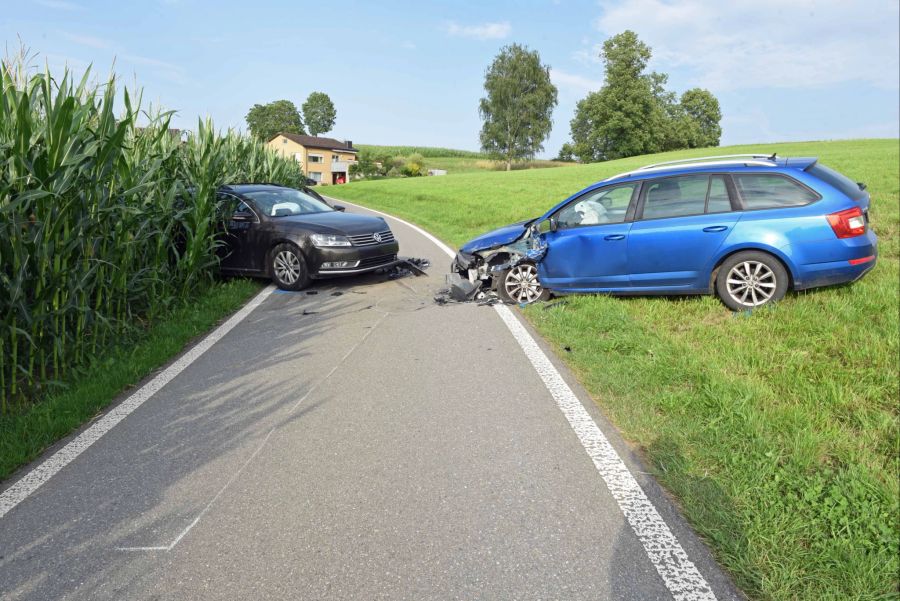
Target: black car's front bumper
[{"x": 364, "y": 259}]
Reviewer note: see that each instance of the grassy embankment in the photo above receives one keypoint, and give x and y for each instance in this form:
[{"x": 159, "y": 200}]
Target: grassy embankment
[
  {"x": 457, "y": 161},
  {"x": 777, "y": 431}
]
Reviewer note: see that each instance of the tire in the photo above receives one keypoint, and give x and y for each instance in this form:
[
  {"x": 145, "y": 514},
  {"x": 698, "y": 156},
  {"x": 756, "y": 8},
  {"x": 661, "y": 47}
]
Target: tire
[
  {"x": 750, "y": 280},
  {"x": 287, "y": 267},
  {"x": 521, "y": 285}
]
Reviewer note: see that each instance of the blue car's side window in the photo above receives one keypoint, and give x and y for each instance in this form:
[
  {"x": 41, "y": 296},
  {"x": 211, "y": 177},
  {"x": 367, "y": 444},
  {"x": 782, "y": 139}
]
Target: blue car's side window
[
  {"x": 676, "y": 196},
  {"x": 598, "y": 207}
]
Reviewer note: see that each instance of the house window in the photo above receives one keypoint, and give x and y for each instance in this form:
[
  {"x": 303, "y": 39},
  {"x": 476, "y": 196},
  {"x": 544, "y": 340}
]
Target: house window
[
  {"x": 315, "y": 175},
  {"x": 316, "y": 158},
  {"x": 284, "y": 140},
  {"x": 335, "y": 158}
]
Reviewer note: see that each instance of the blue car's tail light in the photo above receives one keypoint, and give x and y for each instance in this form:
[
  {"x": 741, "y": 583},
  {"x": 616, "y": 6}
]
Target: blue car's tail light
[{"x": 848, "y": 223}]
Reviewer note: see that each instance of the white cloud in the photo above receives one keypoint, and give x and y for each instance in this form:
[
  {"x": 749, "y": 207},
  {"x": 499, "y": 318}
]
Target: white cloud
[
  {"x": 575, "y": 83},
  {"x": 87, "y": 40},
  {"x": 765, "y": 43},
  {"x": 481, "y": 31}
]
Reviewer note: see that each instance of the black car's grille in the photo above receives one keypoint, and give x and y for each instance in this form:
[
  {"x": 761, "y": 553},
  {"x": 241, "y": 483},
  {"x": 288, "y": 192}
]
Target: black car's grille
[
  {"x": 375, "y": 261},
  {"x": 369, "y": 239}
]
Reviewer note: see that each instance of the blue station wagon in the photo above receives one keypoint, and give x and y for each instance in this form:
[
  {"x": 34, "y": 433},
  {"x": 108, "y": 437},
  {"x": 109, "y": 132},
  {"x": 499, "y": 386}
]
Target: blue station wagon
[{"x": 745, "y": 227}]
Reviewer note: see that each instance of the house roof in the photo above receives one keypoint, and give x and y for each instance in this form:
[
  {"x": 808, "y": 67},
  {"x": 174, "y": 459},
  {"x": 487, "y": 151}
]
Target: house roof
[{"x": 316, "y": 142}]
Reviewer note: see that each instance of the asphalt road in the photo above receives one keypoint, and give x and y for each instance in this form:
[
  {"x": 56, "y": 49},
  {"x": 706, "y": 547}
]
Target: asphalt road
[{"x": 359, "y": 443}]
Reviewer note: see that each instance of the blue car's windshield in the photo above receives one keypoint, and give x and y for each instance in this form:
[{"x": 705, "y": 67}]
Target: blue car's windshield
[{"x": 284, "y": 202}]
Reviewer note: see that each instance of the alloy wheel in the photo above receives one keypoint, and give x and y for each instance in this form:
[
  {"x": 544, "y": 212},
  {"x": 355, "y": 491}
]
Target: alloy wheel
[
  {"x": 521, "y": 283},
  {"x": 287, "y": 267},
  {"x": 751, "y": 283}
]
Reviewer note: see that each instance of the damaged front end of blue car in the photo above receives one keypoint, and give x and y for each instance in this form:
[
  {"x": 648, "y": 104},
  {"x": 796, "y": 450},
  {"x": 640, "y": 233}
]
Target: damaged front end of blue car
[{"x": 484, "y": 260}]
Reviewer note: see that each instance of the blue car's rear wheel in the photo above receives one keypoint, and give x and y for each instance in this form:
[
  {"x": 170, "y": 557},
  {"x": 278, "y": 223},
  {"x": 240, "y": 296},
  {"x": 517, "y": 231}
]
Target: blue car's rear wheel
[{"x": 751, "y": 279}]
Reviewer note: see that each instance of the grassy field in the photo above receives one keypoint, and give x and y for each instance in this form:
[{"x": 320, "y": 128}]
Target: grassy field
[
  {"x": 457, "y": 161},
  {"x": 778, "y": 430},
  {"x": 27, "y": 431}
]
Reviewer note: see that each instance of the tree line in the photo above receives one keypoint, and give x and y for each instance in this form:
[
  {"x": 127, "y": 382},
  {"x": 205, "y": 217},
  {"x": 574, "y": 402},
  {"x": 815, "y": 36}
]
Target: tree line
[{"x": 631, "y": 114}]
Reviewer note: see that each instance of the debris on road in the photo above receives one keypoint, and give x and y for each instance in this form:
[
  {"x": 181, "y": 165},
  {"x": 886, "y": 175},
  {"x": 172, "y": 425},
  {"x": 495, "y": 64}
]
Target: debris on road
[
  {"x": 461, "y": 290},
  {"x": 406, "y": 266}
]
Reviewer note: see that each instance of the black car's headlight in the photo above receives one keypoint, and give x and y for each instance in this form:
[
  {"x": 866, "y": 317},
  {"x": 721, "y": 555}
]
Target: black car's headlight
[{"x": 329, "y": 240}]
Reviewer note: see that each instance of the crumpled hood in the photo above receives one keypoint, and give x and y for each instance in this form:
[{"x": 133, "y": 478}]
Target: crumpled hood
[{"x": 498, "y": 237}]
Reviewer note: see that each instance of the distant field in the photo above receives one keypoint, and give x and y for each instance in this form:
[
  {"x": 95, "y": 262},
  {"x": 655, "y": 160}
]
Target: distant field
[
  {"x": 777, "y": 430},
  {"x": 457, "y": 161}
]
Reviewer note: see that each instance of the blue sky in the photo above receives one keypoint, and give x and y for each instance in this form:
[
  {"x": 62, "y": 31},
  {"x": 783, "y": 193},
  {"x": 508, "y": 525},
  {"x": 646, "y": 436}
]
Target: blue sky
[{"x": 412, "y": 73}]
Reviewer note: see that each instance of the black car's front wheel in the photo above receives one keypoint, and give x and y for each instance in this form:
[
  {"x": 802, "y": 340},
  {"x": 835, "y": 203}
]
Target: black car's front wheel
[
  {"x": 287, "y": 267},
  {"x": 520, "y": 284}
]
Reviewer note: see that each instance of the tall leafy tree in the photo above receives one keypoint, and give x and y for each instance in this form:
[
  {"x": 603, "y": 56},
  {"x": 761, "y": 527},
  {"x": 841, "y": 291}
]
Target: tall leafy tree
[
  {"x": 517, "y": 110},
  {"x": 702, "y": 109},
  {"x": 618, "y": 120},
  {"x": 280, "y": 116},
  {"x": 633, "y": 113},
  {"x": 319, "y": 113}
]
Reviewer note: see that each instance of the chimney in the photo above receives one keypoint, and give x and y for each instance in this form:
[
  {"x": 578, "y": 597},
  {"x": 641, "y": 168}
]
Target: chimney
[{"x": 348, "y": 143}]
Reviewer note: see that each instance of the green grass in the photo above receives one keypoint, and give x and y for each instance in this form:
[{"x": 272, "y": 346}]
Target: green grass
[
  {"x": 25, "y": 433},
  {"x": 457, "y": 161},
  {"x": 425, "y": 151},
  {"x": 777, "y": 431}
]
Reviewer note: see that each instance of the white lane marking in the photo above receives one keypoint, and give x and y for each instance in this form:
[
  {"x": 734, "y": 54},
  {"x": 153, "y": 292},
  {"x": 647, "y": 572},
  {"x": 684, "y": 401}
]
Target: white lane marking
[
  {"x": 34, "y": 479},
  {"x": 678, "y": 572},
  {"x": 265, "y": 441}
]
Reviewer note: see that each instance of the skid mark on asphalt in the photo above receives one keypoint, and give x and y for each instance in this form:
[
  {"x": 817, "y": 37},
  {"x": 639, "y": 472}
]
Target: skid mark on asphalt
[
  {"x": 261, "y": 446},
  {"x": 665, "y": 552}
]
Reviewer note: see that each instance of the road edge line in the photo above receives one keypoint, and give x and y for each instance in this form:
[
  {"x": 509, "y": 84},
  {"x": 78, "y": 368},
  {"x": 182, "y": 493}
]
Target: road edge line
[
  {"x": 41, "y": 473},
  {"x": 680, "y": 575}
]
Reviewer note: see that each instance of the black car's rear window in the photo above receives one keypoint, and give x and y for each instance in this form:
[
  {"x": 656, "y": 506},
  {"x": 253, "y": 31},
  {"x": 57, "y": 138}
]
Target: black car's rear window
[
  {"x": 284, "y": 202},
  {"x": 837, "y": 180}
]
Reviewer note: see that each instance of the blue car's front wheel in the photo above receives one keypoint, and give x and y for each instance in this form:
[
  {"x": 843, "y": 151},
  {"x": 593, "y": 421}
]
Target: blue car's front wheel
[
  {"x": 520, "y": 284},
  {"x": 751, "y": 279}
]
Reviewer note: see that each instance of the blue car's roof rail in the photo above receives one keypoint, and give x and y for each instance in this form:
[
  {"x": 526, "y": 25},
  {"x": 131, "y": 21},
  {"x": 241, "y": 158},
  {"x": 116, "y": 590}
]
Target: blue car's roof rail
[
  {"x": 756, "y": 160},
  {"x": 770, "y": 157}
]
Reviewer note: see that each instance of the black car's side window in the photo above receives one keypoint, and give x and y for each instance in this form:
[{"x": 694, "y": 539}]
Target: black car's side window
[
  {"x": 598, "y": 207},
  {"x": 768, "y": 191}
]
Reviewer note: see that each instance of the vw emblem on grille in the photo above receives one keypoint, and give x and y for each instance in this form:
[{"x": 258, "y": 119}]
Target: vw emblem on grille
[{"x": 376, "y": 237}]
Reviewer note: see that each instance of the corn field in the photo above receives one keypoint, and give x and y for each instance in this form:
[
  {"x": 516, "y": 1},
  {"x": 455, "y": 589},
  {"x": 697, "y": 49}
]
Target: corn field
[{"x": 104, "y": 223}]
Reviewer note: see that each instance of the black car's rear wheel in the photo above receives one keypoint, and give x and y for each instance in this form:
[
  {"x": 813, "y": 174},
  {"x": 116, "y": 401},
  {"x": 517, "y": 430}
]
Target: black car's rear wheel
[{"x": 287, "y": 267}]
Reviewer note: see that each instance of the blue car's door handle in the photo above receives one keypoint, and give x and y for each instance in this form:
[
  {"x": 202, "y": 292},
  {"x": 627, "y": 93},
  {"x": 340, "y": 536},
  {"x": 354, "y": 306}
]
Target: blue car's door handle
[
  {"x": 614, "y": 237},
  {"x": 715, "y": 228}
]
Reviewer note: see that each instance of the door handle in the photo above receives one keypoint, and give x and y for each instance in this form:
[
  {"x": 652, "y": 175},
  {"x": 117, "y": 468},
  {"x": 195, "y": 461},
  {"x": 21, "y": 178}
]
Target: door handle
[
  {"x": 614, "y": 237},
  {"x": 715, "y": 228}
]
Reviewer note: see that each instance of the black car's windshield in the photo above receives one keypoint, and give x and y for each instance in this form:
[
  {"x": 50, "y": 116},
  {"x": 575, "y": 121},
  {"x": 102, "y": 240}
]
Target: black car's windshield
[{"x": 284, "y": 202}]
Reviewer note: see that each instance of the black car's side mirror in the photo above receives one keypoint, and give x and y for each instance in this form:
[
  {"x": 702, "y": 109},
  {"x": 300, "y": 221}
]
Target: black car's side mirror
[
  {"x": 242, "y": 216},
  {"x": 340, "y": 208}
]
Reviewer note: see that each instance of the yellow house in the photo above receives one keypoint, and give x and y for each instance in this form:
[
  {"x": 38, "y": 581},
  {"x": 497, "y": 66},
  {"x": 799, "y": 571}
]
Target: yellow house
[{"x": 325, "y": 160}]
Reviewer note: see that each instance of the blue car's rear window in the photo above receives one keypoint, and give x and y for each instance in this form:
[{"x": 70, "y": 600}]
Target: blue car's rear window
[
  {"x": 770, "y": 191},
  {"x": 837, "y": 180}
]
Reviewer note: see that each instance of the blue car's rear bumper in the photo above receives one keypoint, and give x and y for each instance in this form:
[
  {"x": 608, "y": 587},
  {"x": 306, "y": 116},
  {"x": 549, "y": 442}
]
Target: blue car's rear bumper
[{"x": 850, "y": 260}]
